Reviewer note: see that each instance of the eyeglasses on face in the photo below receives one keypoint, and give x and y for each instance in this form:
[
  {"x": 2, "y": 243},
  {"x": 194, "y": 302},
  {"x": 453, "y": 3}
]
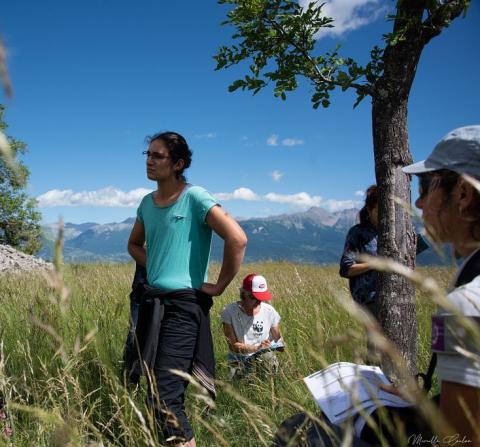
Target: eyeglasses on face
[{"x": 155, "y": 155}]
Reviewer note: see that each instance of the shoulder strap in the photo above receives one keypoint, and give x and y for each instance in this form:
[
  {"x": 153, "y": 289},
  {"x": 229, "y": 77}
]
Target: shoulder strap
[
  {"x": 428, "y": 376},
  {"x": 470, "y": 270}
]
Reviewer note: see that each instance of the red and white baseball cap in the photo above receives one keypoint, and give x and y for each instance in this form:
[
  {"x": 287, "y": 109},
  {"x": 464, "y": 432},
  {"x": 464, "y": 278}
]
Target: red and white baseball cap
[{"x": 257, "y": 286}]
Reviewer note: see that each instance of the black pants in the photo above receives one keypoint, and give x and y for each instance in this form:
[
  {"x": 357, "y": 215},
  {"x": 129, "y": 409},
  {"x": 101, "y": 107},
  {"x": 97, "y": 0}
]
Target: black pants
[
  {"x": 139, "y": 279},
  {"x": 412, "y": 421},
  {"x": 177, "y": 341},
  {"x": 300, "y": 431}
]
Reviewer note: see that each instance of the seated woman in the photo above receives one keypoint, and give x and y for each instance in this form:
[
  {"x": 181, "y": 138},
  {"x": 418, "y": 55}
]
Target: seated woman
[{"x": 251, "y": 327}]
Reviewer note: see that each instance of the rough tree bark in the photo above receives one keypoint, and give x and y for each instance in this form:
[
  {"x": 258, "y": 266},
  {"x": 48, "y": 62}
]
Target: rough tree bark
[
  {"x": 396, "y": 235},
  {"x": 397, "y": 239}
]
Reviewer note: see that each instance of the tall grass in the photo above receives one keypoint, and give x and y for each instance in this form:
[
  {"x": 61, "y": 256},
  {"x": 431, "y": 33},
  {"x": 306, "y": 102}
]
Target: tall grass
[{"x": 60, "y": 363}]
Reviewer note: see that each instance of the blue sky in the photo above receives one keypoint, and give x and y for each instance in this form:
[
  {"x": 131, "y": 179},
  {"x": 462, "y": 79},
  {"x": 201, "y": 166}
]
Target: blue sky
[{"x": 92, "y": 79}]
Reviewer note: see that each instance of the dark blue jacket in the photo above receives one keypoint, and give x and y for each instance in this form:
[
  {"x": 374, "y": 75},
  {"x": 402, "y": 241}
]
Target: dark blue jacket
[{"x": 361, "y": 239}]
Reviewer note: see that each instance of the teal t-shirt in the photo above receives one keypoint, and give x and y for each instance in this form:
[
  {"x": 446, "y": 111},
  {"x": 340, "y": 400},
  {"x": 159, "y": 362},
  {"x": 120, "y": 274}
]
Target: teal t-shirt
[{"x": 178, "y": 239}]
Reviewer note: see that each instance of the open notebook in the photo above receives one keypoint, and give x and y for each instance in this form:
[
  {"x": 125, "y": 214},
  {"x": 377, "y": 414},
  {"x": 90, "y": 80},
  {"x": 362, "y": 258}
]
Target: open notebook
[{"x": 347, "y": 390}]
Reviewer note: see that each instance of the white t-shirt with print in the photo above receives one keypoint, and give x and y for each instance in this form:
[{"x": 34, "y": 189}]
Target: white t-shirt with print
[{"x": 250, "y": 329}]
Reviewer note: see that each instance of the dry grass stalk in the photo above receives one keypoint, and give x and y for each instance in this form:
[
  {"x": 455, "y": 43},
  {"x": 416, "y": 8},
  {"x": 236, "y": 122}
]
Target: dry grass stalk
[{"x": 4, "y": 78}]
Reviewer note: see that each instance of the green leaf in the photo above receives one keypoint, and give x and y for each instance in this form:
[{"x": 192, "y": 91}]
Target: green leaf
[
  {"x": 277, "y": 38},
  {"x": 359, "y": 99}
]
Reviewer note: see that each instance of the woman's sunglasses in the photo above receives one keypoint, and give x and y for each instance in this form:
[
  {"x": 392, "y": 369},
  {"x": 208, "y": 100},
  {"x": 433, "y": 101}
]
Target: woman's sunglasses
[
  {"x": 424, "y": 183},
  {"x": 445, "y": 178}
]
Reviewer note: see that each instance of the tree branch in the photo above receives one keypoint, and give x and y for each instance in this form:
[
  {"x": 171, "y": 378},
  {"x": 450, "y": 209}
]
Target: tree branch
[
  {"x": 359, "y": 87},
  {"x": 440, "y": 18}
]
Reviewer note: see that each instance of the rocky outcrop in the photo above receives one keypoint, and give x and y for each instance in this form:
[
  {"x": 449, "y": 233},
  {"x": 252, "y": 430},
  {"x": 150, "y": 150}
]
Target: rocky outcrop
[{"x": 12, "y": 261}]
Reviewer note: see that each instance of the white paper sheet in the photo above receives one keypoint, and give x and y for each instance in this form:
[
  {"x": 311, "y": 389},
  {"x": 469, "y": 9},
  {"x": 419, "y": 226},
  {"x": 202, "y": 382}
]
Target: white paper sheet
[{"x": 342, "y": 389}]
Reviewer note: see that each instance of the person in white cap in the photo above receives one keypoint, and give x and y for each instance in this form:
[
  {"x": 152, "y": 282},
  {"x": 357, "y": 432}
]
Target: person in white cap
[
  {"x": 251, "y": 327},
  {"x": 449, "y": 198},
  {"x": 450, "y": 203}
]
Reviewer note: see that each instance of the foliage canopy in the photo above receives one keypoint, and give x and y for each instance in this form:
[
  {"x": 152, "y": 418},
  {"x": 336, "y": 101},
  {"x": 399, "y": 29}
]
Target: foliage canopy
[
  {"x": 19, "y": 219},
  {"x": 280, "y": 39}
]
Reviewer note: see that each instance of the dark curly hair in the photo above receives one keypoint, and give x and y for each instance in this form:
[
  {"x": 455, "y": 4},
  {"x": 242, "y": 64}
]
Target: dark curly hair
[
  {"x": 177, "y": 148},
  {"x": 371, "y": 201}
]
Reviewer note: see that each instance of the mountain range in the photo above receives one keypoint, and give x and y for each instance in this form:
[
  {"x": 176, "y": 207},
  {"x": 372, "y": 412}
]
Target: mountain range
[{"x": 314, "y": 236}]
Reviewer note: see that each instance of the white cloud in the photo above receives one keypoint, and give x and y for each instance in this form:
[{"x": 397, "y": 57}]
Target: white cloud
[
  {"x": 272, "y": 140},
  {"x": 111, "y": 197},
  {"x": 348, "y": 15},
  {"x": 300, "y": 199},
  {"x": 291, "y": 142},
  {"x": 208, "y": 135},
  {"x": 276, "y": 175},
  {"x": 105, "y": 197},
  {"x": 359, "y": 193},
  {"x": 238, "y": 194}
]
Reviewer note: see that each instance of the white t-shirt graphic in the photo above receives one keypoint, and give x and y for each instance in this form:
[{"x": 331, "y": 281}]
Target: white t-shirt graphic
[{"x": 250, "y": 329}]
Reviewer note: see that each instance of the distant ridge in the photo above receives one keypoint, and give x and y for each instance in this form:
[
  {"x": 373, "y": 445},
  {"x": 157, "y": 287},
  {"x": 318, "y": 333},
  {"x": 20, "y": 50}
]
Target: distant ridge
[{"x": 313, "y": 236}]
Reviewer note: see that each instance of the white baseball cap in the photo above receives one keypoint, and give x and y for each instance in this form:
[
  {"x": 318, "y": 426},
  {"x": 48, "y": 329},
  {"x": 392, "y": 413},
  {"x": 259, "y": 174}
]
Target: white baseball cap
[
  {"x": 257, "y": 286},
  {"x": 458, "y": 151}
]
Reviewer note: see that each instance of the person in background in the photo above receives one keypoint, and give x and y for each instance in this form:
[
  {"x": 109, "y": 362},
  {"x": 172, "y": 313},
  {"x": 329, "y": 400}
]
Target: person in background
[
  {"x": 172, "y": 237},
  {"x": 251, "y": 327},
  {"x": 362, "y": 239}
]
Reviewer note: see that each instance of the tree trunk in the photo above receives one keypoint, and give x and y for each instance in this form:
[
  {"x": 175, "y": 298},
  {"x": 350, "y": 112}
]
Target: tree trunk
[{"x": 397, "y": 239}]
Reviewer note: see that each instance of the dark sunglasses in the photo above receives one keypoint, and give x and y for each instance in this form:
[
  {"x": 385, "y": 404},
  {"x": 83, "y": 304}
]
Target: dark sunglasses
[
  {"x": 442, "y": 178},
  {"x": 424, "y": 183}
]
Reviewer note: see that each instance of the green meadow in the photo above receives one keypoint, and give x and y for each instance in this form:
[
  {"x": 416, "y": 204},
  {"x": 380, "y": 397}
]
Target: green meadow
[{"x": 62, "y": 337}]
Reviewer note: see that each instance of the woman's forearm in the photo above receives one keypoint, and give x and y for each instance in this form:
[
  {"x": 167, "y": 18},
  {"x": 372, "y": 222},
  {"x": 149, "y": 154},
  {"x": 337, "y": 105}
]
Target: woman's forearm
[{"x": 358, "y": 269}]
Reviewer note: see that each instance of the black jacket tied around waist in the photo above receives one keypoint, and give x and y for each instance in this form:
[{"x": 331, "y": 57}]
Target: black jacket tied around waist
[{"x": 152, "y": 306}]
